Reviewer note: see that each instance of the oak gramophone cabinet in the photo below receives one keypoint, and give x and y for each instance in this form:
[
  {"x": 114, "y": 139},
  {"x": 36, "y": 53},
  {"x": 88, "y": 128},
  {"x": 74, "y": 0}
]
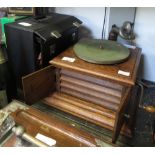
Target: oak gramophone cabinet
[{"x": 101, "y": 94}]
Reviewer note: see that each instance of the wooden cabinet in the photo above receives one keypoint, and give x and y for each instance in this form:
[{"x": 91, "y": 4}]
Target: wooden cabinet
[
  {"x": 36, "y": 122},
  {"x": 97, "y": 93}
]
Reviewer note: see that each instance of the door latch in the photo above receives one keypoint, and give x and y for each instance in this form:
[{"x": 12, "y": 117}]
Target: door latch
[{"x": 55, "y": 34}]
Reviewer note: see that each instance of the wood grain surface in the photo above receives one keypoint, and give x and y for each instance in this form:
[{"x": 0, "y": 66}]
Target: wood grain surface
[
  {"x": 109, "y": 72},
  {"x": 96, "y": 93},
  {"x": 36, "y": 121}
]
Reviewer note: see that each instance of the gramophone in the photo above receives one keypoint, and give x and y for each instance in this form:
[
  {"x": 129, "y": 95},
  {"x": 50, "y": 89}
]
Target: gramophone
[
  {"x": 100, "y": 51},
  {"x": 125, "y": 31}
]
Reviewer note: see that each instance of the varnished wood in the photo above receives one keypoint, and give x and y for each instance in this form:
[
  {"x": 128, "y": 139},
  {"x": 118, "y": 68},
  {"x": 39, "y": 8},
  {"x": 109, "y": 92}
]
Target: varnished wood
[
  {"x": 80, "y": 112},
  {"x": 90, "y": 98},
  {"x": 36, "y": 121},
  {"x": 120, "y": 115},
  {"x": 91, "y": 92},
  {"x": 91, "y": 79},
  {"x": 109, "y": 72},
  {"x": 86, "y": 105},
  {"x": 93, "y": 86},
  {"x": 111, "y": 94},
  {"x": 38, "y": 84},
  {"x": 11, "y": 142},
  {"x": 96, "y": 93},
  {"x": 57, "y": 74},
  {"x": 102, "y": 89},
  {"x": 132, "y": 108}
]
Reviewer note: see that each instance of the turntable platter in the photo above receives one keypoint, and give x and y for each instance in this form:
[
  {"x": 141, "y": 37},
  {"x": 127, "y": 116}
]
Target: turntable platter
[{"x": 101, "y": 51}]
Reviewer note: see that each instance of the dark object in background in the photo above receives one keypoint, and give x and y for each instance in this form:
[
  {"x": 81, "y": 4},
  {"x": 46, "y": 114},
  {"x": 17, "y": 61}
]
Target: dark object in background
[
  {"x": 41, "y": 12},
  {"x": 29, "y": 11},
  {"x": 125, "y": 31},
  {"x": 31, "y": 42},
  {"x": 21, "y": 10},
  {"x": 150, "y": 106},
  {"x": 6, "y": 81},
  {"x": 113, "y": 34}
]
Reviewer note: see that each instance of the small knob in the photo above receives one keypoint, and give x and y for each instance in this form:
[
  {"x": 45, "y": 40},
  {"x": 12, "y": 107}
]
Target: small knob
[{"x": 19, "y": 130}]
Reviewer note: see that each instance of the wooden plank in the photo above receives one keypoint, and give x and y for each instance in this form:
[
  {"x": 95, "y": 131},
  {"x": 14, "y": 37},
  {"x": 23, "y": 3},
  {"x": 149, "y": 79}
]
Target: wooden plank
[
  {"x": 132, "y": 107},
  {"x": 120, "y": 115},
  {"x": 91, "y": 79},
  {"x": 109, "y": 72},
  {"x": 88, "y": 91},
  {"x": 38, "y": 84},
  {"x": 83, "y": 104},
  {"x": 80, "y": 112},
  {"x": 89, "y": 127},
  {"x": 91, "y": 85},
  {"x": 57, "y": 73},
  {"x": 90, "y": 98},
  {"x": 65, "y": 135}
]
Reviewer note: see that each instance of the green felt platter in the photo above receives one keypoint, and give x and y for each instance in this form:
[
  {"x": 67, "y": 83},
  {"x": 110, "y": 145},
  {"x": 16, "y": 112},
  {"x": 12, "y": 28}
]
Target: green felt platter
[{"x": 101, "y": 51}]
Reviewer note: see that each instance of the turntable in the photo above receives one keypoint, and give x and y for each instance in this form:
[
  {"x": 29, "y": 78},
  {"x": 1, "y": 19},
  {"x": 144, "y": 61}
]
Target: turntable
[{"x": 100, "y": 51}]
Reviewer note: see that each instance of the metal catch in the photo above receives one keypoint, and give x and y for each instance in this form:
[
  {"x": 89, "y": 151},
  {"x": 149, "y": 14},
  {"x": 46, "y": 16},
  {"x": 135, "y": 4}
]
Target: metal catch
[
  {"x": 76, "y": 24},
  {"x": 56, "y": 34},
  {"x": 127, "y": 115}
]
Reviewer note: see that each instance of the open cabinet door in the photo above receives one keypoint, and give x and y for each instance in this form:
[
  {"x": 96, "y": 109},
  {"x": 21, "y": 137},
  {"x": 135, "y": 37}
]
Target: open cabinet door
[{"x": 38, "y": 84}]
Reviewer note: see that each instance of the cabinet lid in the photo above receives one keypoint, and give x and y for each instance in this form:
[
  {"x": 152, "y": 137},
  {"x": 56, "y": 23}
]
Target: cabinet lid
[{"x": 44, "y": 26}]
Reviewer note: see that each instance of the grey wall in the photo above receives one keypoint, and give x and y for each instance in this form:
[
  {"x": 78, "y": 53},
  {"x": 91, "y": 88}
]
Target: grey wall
[
  {"x": 118, "y": 15},
  {"x": 145, "y": 30},
  {"x": 92, "y": 18}
]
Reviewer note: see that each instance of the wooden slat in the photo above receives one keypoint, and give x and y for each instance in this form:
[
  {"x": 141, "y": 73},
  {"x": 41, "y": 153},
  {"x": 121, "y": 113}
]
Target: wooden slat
[
  {"x": 38, "y": 84},
  {"x": 89, "y": 91},
  {"x": 91, "y": 79},
  {"x": 57, "y": 74},
  {"x": 83, "y": 104},
  {"x": 89, "y": 98},
  {"x": 80, "y": 112},
  {"x": 132, "y": 107},
  {"x": 120, "y": 114},
  {"x": 90, "y": 85}
]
